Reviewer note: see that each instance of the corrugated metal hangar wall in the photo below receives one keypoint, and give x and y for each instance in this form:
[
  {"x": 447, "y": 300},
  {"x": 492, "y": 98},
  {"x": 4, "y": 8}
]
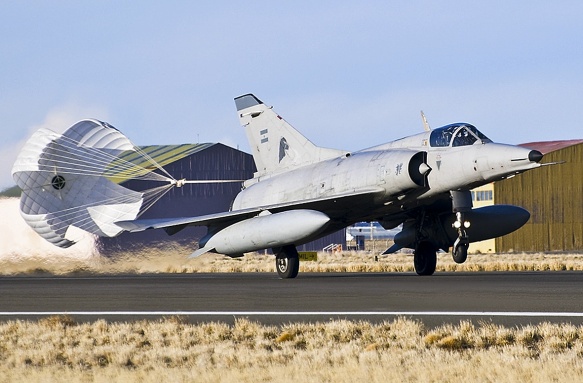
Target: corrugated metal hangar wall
[
  {"x": 193, "y": 162},
  {"x": 554, "y": 197}
]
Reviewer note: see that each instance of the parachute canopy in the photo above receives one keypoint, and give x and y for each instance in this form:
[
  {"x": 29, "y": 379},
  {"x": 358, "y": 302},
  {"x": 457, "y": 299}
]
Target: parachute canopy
[{"x": 73, "y": 179}]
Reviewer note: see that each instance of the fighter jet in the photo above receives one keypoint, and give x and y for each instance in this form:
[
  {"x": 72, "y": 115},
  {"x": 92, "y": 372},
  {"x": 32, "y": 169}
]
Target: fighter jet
[{"x": 302, "y": 192}]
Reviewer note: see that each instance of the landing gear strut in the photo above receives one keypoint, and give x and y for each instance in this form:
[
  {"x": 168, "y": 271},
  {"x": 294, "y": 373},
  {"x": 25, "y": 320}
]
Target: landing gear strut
[
  {"x": 461, "y": 203},
  {"x": 287, "y": 261},
  {"x": 425, "y": 258},
  {"x": 461, "y": 244}
]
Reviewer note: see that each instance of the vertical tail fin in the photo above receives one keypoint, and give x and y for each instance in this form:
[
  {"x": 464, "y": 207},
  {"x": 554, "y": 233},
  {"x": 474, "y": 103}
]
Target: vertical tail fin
[{"x": 275, "y": 144}]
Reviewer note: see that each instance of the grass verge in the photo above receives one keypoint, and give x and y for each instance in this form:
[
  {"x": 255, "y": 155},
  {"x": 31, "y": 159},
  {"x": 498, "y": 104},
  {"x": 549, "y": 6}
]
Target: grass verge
[
  {"x": 57, "y": 348},
  {"x": 174, "y": 260}
]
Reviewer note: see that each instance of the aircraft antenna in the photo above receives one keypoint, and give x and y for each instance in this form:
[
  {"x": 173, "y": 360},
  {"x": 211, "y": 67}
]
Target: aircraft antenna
[{"x": 425, "y": 123}]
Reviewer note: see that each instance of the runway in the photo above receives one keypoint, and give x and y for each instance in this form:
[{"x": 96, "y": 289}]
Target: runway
[{"x": 505, "y": 298}]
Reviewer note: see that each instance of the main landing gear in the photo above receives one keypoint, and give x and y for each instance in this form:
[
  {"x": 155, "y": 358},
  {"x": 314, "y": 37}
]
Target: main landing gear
[
  {"x": 287, "y": 261},
  {"x": 425, "y": 258}
]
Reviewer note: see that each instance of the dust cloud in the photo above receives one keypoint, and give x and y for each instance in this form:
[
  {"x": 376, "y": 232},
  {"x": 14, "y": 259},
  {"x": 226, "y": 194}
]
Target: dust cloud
[{"x": 19, "y": 241}]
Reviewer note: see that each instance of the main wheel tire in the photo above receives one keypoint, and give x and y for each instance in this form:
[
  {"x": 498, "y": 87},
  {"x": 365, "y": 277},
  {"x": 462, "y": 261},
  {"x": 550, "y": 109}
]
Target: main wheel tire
[
  {"x": 287, "y": 262},
  {"x": 460, "y": 254},
  {"x": 425, "y": 258}
]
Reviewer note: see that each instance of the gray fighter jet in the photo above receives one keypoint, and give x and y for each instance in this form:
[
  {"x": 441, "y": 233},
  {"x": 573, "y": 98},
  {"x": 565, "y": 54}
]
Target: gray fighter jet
[{"x": 302, "y": 192}]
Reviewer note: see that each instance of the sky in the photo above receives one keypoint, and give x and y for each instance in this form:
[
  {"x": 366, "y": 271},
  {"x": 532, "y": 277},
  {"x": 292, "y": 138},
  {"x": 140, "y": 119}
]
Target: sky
[{"x": 348, "y": 75}]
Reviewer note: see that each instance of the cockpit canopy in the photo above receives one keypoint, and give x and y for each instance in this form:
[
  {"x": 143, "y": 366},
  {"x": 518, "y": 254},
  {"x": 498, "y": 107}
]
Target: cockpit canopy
[{"x": 460, "y": 134}]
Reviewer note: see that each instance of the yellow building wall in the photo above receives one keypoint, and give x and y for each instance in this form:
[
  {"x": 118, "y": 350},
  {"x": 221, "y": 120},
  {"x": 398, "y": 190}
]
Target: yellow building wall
[
  {"x": 483, "y": 196},
  {"x": 554, "y": 197}
]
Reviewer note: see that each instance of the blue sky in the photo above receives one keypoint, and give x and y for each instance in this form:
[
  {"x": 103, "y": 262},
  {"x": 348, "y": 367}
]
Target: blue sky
[{"x": 346, "y": 74}]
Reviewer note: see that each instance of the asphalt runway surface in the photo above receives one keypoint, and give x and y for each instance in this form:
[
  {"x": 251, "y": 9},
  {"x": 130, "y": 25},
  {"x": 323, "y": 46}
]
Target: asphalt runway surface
[{"x": 506, "y": 298}]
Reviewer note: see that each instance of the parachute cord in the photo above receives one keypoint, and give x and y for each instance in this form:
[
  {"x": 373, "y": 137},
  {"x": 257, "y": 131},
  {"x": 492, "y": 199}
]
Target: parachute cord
[
  {"x": 121, "y": 199},
  {"x": 147, "y": 156},
  {"x": 150, "y": 200},
  {"x": 208, "y": 181},
  {"x": 120, "y": 168},
  {"x": 104, "y": 158},
  {"x": 85, "y": 221}
]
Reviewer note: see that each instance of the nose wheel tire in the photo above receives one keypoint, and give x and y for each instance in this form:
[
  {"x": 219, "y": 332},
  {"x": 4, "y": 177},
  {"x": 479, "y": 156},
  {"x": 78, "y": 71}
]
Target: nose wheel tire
[
  {"x": 287, "y": 262},
  {"x": 460, "y": 253},
  {"x": 425, "y": 258}
]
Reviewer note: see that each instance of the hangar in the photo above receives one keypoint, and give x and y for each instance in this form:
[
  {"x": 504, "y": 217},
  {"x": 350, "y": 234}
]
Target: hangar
[
  {"x": 552, "y": 194},
  {"x": 554, "y": 197},
  {"x": 205, "y": 161}
]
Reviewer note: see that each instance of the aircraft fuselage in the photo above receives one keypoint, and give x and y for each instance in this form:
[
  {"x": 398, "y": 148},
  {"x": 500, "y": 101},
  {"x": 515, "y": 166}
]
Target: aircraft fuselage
[{"x": 399, "y": 171}]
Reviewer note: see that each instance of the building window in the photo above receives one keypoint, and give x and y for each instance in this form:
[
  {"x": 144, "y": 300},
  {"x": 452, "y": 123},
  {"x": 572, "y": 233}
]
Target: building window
[{"x": 482, "y": 195}]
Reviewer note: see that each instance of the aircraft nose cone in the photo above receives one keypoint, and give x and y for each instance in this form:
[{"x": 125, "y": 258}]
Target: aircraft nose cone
[{"x": 535, "y": 156}]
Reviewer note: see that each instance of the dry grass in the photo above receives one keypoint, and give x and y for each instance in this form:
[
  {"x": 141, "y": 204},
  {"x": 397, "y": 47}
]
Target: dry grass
[
  {"x": 174, "y": 260},
  {"x": 58, "y": 349}
]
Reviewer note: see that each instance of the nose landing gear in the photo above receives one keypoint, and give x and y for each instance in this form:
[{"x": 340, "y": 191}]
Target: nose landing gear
[{"x": 461, "y": 203}]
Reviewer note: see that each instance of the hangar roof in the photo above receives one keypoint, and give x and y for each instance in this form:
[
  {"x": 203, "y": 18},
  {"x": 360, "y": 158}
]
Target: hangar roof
[
  {"x": 550, "y": 146},
  {"x": 165, "y": 154}
]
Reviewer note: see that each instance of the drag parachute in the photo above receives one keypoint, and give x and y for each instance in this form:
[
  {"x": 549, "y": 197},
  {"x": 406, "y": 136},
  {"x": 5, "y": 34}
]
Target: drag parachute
[{"x": 74, "y": 179}]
